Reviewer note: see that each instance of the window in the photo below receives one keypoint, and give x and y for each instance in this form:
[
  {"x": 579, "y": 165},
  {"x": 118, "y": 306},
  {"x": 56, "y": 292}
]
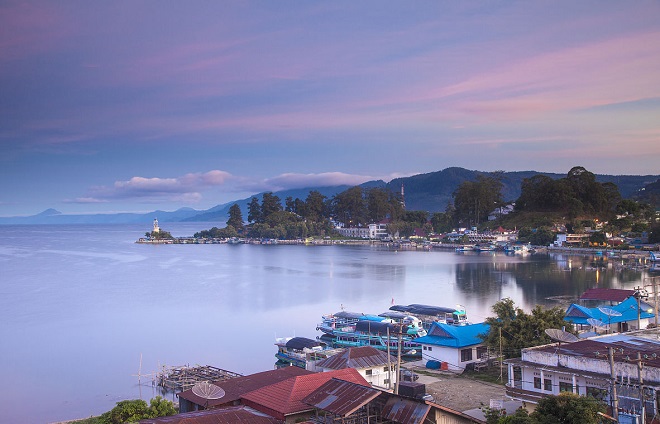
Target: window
[
  {"x": 385, "y": 369},
  {"x": 386, "y": 381},
  {"x": 466, "y": 355},
  {"x": 537, "y": 383},
  {"x": 482, "y": 352},
  {"x": 597, "y": 393},
  {"x": 368, "y": 372},
  {"x": 547, "y": 385},
  {"x": 565, "y": 387},
  {"x": 430, "y": 347}
]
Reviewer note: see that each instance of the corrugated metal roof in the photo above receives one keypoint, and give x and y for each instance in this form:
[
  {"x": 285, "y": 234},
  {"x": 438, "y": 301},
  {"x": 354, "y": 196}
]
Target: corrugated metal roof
[
  {"x": 286, "y": 396},
  {"x": 626, "y": 349},
  {"x": 454, "y": 335},
  {"x": 231, "y": 415},
  {"x": 236, "y": 387},
  {"x": 340, "y": 397},
  {"x": 405, "y": 410},
  {"x": 357, "y": 357},
  {"x": 614, "y": 295}
]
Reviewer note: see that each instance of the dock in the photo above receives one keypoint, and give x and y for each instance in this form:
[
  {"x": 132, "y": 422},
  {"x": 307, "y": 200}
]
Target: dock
[{"x": 181, "y": 378}]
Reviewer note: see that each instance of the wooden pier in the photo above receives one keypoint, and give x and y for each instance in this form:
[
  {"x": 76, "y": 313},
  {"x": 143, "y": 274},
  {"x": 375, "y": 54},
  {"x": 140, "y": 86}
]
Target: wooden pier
[{"x": 181, "y": 378}]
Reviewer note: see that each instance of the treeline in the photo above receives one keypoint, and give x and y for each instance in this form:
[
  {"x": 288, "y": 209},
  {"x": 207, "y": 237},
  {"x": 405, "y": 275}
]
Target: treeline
[
  {"x": 314, "y": 215},
  {"x": 575, "y": 201}
]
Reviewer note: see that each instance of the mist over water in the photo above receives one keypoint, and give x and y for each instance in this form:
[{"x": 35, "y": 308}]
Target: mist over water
[{"x": 79, "y": 305}]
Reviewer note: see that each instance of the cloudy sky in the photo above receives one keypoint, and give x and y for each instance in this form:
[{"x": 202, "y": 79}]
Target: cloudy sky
[{"x": 139, "y": 105}]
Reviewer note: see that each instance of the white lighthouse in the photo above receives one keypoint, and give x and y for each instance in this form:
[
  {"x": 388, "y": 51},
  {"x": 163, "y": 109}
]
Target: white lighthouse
[{"x": 156, "y": 227}]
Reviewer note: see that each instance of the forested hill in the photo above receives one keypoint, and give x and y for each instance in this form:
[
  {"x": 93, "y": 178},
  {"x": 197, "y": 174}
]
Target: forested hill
[
  {"x": 433, "y": 191},
  {"x": 429, "y": 192}
]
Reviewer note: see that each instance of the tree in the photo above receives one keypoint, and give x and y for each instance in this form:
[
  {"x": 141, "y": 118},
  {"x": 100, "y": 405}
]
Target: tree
[
  {"x": 235, "y": 217},
  {"x": 315, "y": 206},
  {"x": 350, "y": 208},
  {"x": 514, "y": 329},
  {"x": 270, "y": 203},
  {"x": 254, "y": 211},
  {"x": 474, "y": 200},
  {"x": 129, "y": 411},
  {"x": 378, "y": 204},
  {"x": 568, "y": 408}
]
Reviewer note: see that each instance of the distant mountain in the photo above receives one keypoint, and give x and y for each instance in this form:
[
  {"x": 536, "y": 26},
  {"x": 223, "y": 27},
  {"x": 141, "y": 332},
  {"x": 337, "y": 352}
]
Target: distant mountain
[{"x": 431, "y": 192}]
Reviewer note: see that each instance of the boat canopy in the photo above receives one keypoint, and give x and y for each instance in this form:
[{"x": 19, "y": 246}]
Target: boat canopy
[
  {"x": 381, "y": 328},
  {"x": 300, "y": 343},
  {"x": 417, "y": 309}
]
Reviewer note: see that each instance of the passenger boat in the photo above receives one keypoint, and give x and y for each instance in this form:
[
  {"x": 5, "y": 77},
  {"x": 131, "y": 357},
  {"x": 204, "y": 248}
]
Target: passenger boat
[
  {"x": 301, "y": 351},
  {"x": 344, "y": 320},
  {"x": 380, "y": 335},
  {"x": 517, "y": 249},
  {"x": 429, "y": 314}
]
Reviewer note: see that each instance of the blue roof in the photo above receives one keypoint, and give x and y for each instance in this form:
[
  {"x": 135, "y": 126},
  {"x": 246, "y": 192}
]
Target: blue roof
[
  {"x": 456, "y": 336},
  {"x": 628, "y": 309}
]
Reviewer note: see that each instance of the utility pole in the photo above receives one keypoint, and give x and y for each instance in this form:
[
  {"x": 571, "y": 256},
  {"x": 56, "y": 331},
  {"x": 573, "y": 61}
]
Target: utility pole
[
  {"x": 614, "y": 397},
  {"x": 389, "y": 362},
  {"x": 642, "y": 413},
  {"x": 398, "y": 360}
]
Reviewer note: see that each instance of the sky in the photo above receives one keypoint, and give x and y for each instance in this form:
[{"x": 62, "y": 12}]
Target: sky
[{"x": 133, "y": 106}]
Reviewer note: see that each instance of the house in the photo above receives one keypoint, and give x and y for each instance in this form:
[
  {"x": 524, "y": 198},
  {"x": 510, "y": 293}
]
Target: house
[
  {"x": 344, "y": 402},
  {"x": 631, "y": 314},
  {"x": 454, "y": 346},
  {"x": 283, "y": 400},
  {"x": 234, "y": 388},
  {"x": 601, "y": 295},
  {"x": 377, "y": 367},
  {"x": 586, "y": 368}
]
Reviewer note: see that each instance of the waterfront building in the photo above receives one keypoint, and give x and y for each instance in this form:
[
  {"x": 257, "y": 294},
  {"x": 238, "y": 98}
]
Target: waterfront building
[
  {"x": 592, "y": 367},
  {"x": 376, "y": 366},
  {"x": 454, "y": 346}
]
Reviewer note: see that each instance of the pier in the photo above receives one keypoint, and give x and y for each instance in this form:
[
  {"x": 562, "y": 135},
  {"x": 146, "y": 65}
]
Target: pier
[{"x": 180, "y": 378}]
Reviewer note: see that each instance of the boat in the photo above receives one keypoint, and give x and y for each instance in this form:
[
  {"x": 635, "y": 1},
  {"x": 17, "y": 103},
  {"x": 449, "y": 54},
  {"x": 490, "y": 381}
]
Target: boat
[
  {"x": 483, "y": 248},
  {"x": 380, "y": 335},
  {"x": 517, "y": 248},
  {"x": 301, "y": 351},
  {"x": 344, "y": 320},
  {"x": 429, "y": 314},
  {"x": 465, "y": 248}
]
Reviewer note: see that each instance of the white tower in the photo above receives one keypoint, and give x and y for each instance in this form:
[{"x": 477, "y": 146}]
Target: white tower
[{"x": 156, "y": 227}]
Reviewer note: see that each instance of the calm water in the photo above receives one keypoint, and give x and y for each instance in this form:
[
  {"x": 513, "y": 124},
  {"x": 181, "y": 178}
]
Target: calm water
[{"x": 79, "y": 305}]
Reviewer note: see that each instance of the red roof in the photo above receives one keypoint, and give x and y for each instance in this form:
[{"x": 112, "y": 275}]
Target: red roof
[
  {"x": 341, "y": 398},
  {"x": 234, "y": 388},
  {"x": 614, "y": 295},
  {"x": 285, "y": 398}
]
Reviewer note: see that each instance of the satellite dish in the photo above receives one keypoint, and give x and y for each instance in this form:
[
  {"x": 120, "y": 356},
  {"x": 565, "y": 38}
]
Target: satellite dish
[
  {"x": 596, "y": 323},
  {"x": 561, "y": 335},
  {"x": 208, "y": 391},
  {"x": 609, "y": 311}
]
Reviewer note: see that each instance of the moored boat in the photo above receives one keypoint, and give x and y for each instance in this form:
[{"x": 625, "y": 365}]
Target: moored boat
[
  {"x": 301, "y": 351},
  {"x": 429, "y": 314},
  {"x": 380, "y": 335}
]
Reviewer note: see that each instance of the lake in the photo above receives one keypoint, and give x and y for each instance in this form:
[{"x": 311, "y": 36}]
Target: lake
[{"x": 81, "y": 304}]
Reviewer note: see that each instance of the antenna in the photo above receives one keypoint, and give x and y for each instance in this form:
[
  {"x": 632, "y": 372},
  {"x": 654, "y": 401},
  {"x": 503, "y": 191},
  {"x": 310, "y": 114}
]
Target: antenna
[
  {"x": 610, "y": 312},
  {"x": 208, "y": 391},
  {"x": 597, "y": 324},
  {"x": 561, "y": 335}
]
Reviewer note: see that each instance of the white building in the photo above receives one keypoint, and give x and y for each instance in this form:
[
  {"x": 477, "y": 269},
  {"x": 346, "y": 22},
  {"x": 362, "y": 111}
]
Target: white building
[
  {"x": 374, "y": 365},
  {"x": 585, "y": 367},
  {"x": 454, "y": 346}
]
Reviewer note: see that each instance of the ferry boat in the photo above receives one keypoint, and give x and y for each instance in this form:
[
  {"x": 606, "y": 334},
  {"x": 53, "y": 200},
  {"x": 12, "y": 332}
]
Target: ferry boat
[
  {"x": 429, "y": 314},
  {"x": 301, "y": 352},
  {"x": 344, "y": 320},
  {"x": 380, "y": 335}
]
